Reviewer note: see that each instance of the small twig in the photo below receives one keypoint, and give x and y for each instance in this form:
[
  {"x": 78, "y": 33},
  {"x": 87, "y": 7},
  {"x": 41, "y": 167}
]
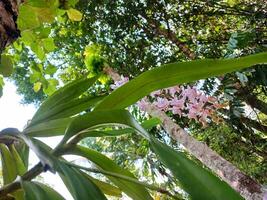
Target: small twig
[{"x": 126, "y": 178}]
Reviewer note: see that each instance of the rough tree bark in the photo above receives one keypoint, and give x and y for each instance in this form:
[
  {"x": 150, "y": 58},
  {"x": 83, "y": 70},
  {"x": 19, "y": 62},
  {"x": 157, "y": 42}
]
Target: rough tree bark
[
  {"x": 246, "y": 186},
  {"x": 8, "y": 27}
]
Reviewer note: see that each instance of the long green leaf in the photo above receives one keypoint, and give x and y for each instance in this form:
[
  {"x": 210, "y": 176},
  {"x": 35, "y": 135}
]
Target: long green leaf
[
  {"x": 73, "y": 107},
  {"x": 173, "y": 74},
  {"x": 148, "y": 124},
  {"x": 8, "y": 165},
  {"x": 106, "y": 188},
  {"x": 197, "y": 181},
  {"x": 94, "y": 120},
  {"x": 23, "y": 151},
  {"x": 133, "y": 190},
  {"x": 79, "y": 185},
  {"x": 67, "y": 93},
  {"x": 39, "y": 191},
  {"x": 21, "y": 169},
  {"x": 50, "y": 128}
]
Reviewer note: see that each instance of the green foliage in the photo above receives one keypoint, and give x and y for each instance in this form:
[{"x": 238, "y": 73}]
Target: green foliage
[
  {"x": 131, "y": 189},
  {"x": 74, "y": 14},
  {"x": 39, "y": 191},
  {"x": 6, "y": 65},
  {"x": 8, "y": 165},
  {"x": 230, "y": 145},
  {"x": 80, "y": 186}
]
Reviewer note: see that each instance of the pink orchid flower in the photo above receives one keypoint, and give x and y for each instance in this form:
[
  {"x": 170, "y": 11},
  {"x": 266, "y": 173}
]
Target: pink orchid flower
[
  {"x": 162, "y": 103},
  {"x": 142, "y": 104}
]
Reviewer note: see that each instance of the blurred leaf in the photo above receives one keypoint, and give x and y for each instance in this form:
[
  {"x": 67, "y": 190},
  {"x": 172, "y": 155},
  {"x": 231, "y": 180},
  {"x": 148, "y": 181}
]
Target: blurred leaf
[
  {"x": 74, "y": 14},
  {"x": 49, "y": 44},
  {"x": 27, "y": 18},
  {"x": 37, "y": 86},
  {"x": 6, "y": 65},
  {"x": 38, "y": 50},
  {"x": 41, "y": 3},
  {"x": 50, "y": 69},
  {"x": 39, "y": 191},
  {"x": 28, "y": 37},
  {"x": 232, "y": 2},
  {"x": 45, "y": 15},
  {"x": 51, "y": 87}
]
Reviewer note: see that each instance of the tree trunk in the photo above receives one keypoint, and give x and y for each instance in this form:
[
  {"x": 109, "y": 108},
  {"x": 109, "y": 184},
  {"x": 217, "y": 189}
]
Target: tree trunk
[
  {"x": 8, "y": 27},
  {"x": 243, "y": 184}
]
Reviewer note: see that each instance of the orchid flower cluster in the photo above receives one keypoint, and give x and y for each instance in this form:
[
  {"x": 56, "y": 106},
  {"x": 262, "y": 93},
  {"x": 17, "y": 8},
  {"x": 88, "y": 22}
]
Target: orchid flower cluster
[{"x": 184, "y": 101}]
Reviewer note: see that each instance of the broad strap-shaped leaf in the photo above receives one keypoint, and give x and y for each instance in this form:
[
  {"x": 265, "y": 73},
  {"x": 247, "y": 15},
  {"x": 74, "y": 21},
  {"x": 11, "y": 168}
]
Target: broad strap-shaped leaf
[
  {"x": 108, "y": 133},
  {"x": 148, "y": 124},
  {"x": 21, "y": 169},
  {"x": 61, "y": 96},
  {"x": 106, "y": 188},
  {"x": 50, "y": 128},
  {"x": 12, "y": 166},
  {"x": 72, "y": 107},
  {"x": 79, "y": 185},
  {"x": 133, "y": 190},
  {"x": 38, "y": 191},
  {"x": 23, "y": 151},
  {"x": 98, "y": 119},
  {"x": 197, "y": 181},
  {"x": 172, "y": 74},
  {"x": 9, "y": 169}
]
